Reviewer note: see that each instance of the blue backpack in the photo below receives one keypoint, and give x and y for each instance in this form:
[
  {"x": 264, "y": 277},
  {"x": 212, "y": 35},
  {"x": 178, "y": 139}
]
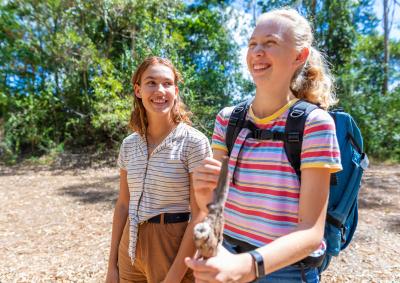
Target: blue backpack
[{"x": 342, "y": 214}]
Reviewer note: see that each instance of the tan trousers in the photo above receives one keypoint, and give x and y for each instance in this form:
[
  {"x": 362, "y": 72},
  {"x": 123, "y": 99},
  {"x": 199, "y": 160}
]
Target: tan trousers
[{"x": 156, "y": 249}]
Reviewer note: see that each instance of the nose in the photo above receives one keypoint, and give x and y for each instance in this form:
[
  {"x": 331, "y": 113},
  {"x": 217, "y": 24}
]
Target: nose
[
  {"x": 160, "y": 88},
  {"x": 257, "y": 50}
]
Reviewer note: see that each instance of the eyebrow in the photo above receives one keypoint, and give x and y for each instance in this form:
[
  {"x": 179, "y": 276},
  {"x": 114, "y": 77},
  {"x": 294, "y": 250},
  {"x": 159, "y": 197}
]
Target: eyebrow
[
  {"x": 269, "y": 35},
  {"x": 155, "y": 78}
]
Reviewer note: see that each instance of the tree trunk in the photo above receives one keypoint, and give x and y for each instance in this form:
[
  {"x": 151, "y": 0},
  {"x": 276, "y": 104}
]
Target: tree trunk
[
  {"x": 385, "y": 47},
  {"x": 313, "y": 10}
]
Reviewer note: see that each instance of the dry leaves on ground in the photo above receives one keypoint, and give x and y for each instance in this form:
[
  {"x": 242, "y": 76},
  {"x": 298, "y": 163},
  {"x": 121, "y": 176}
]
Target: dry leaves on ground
[{"x": 56, "y": 226}]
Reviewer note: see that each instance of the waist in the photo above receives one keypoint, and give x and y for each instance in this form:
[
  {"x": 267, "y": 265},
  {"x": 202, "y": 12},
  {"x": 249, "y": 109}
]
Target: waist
[
  {"x": 238, "y": 246},
  {"x": 168, "y": 218}
]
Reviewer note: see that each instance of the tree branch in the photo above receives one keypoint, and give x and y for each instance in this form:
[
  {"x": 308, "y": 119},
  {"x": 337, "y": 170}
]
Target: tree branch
[{"x": 208, "y": 234}]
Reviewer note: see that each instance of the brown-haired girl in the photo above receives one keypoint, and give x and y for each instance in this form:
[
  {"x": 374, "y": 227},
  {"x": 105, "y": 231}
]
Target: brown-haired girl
[
  {"x": 273, "y": 220},
  {"x": 155, "y": 212}
]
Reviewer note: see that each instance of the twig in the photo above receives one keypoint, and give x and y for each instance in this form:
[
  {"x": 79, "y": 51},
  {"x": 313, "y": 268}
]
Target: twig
[{"x": 208, "y": 234}]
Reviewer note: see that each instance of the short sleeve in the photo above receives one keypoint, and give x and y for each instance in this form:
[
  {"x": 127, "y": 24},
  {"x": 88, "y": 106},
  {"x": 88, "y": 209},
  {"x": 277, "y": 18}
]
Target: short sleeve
[
  {"x": 198, "y": 151},
  {"x": 320, "y": 147},
  {"x": 122, "y": 156},
  {"x": 219, "y": 134}
]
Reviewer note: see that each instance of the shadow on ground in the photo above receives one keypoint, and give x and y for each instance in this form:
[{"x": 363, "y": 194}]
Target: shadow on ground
[
  {"x": 103, "y": 191},
  {"x": 64, "y": 162},
  {"x": 393, "y": 225}
]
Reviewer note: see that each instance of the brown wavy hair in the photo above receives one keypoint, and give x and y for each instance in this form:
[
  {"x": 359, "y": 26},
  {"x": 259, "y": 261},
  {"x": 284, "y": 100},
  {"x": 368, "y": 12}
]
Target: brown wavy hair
[
  {"x": 313, "y": 81},
  {"x": 138, "y": 121}
]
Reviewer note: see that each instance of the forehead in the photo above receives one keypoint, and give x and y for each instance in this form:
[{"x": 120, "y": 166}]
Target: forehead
[
  {"x": 158, "y": 71},
  {"x": 276, "y": 26}
]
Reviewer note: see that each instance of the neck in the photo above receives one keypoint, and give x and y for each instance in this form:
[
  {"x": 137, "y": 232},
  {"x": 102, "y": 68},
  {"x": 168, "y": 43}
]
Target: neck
[
  {"x": 269, "y": 100},
  {"x": 158, "y": 129}
]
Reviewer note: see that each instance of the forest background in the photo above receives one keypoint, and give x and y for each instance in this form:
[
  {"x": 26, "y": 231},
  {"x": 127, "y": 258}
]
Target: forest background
[{"x": 65, "y": 67}]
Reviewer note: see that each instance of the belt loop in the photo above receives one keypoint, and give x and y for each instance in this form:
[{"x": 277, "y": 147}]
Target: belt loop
[{"x": 162, "y": 218}]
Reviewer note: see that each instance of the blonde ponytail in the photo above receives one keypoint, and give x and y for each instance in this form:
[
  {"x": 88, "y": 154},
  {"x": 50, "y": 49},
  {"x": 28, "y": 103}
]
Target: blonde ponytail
[{"x": 313, "y": 81}]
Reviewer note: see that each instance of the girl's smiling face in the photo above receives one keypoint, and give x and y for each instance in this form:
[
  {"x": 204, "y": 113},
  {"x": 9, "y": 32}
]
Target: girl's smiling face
[
  {"x": 271, "y": 54},
  {"x": 157, "y": 90}
]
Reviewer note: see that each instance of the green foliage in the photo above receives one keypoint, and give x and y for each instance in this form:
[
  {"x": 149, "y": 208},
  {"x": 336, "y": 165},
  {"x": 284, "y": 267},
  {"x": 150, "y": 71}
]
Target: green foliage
[
  {"x": 377, "y": 115},
  {"x": 345, "y": 32},
  {"x": 65, "y": 67}
]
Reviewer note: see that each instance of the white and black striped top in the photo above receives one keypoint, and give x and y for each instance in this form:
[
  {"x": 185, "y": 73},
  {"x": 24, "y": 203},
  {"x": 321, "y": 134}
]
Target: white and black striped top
[{"x": 160, "y": 183}]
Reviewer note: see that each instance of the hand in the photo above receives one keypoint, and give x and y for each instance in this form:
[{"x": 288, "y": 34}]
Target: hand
[
  {"x": 205, "y": 178},
  {"x": 112, "y": 275},
  {"x": 224, "y": 267}
]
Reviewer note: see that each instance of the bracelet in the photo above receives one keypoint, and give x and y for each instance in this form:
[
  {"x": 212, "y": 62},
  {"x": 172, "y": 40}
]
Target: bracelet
[{"x": 258, "y": 263}]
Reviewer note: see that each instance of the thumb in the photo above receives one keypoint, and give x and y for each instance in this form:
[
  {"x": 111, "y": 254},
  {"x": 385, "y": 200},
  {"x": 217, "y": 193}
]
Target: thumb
[
  {"x": 194, "y": 264},
  {"x": 189, "y": 262}
]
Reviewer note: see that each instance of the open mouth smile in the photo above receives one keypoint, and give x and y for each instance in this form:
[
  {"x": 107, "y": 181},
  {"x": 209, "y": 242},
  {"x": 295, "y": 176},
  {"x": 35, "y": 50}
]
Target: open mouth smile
[{"x": 260, "y": 67}]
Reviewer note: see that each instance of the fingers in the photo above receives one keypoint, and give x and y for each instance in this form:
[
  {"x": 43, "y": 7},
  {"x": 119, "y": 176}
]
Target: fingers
[
  {"x": 211, "y": 164},
  {"x": 205, "y": 179},
  {"x": 206, "y": 175},
  {"x": 202, "y": 270},
  {"x": 200, "y": 265}
]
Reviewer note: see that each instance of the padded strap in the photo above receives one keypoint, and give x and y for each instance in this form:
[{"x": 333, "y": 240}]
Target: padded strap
[
  {"x": 236, "y": 123},
  {"x": 294, "y": 130}
]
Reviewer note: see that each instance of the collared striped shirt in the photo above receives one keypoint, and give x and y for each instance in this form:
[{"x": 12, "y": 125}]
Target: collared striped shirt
[
  {"x": 263, "y": 202},
  {"x": 160, "y": 183}
]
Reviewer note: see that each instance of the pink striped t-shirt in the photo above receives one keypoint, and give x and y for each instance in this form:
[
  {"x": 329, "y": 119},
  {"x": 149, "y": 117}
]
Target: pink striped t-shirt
[{"x": 263, "y": 201}]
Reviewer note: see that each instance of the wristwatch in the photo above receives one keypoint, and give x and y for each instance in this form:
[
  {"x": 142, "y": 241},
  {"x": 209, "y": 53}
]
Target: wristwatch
[{"x": 258, "y": 263}]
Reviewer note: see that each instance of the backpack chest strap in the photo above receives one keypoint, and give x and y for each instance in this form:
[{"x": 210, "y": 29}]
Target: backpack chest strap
[{"x": 263, "y": 134}]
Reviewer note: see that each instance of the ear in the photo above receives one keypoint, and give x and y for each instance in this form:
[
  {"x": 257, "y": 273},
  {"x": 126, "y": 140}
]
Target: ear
[
  {"x": 137, "y": 91},
  {"x": 176, "y": 91},
  {"x": 302, "y": 56}
]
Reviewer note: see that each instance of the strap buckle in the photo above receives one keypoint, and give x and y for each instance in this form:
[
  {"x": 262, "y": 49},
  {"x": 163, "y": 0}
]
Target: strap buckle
[
  {"x": 293, "y": 137},
  {"x": 296, "y": 113},
  {"x": 261, "y": 134}
]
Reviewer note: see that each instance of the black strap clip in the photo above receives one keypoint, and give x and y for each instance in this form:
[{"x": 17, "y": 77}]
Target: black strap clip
[
  {"x": 263, "y": 134},
  {"x": 293, "y": 137}
]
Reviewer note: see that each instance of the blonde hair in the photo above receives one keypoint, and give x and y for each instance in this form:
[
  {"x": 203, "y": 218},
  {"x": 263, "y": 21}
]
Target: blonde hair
[
  {"x": 313, "y": 80},
  {"x": 138, "y": 121}
]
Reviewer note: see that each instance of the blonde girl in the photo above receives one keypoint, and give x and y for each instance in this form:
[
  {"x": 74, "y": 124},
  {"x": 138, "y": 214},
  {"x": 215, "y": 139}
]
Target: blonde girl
[{"x": 273, "y": 220}]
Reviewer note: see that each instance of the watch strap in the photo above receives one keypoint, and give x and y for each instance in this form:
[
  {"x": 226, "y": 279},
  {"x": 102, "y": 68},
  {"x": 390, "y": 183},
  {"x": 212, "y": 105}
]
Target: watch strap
[{"x": 258, "y": 262}]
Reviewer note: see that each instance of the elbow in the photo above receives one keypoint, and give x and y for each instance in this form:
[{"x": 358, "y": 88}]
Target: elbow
[
  {"x": 315, "y": 235},
  {"x": 315, "y": 243}
]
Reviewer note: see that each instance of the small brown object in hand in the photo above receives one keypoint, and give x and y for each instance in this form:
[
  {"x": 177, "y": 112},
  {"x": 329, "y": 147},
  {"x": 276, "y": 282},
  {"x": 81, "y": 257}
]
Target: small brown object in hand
[{"x": 208, "y": 234}]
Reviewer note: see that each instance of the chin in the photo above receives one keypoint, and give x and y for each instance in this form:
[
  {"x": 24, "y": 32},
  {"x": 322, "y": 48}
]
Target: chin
[{"x": 261, "y": 80}]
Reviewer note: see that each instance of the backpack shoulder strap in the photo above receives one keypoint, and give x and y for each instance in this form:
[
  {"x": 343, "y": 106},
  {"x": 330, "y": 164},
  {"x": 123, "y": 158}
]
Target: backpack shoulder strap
[
  {"x": 236, "y": 123},
  {"x": 294, "y": 130}
]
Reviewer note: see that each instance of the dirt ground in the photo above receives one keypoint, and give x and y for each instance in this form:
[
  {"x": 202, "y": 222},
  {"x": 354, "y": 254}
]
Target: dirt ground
[{"x": 55, "y": 226}]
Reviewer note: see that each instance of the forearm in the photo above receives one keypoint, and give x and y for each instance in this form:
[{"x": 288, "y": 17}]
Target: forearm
[
  {"x": 290, "y": 248},
  {"x": 186, "y": 249},
  {"x": 119, "y": 221}
]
